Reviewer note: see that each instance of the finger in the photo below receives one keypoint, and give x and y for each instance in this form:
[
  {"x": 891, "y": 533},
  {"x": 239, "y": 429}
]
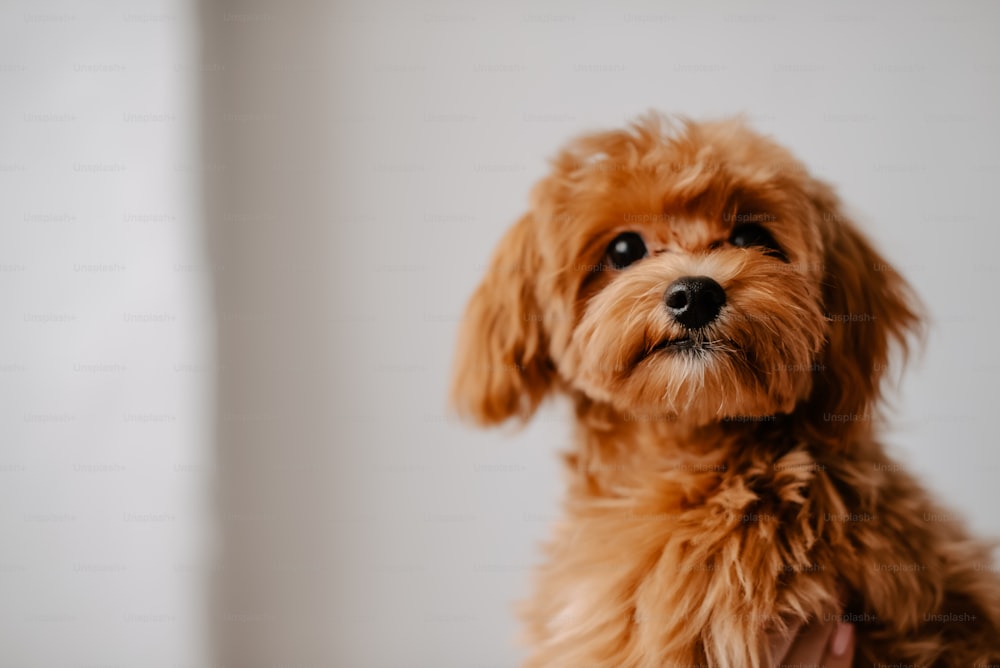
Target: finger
[
  {"x": 840, "y": 650},
  {"x": 781, "y": 643},
  {"x": 810, "y": 647}
]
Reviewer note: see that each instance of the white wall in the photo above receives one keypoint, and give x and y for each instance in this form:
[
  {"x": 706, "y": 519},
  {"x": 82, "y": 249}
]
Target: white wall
[{"x": 103, "y": 342}]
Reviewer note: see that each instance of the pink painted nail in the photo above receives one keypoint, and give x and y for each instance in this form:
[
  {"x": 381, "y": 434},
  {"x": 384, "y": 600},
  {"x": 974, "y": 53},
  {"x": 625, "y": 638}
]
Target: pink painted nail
[{"x": 841, "y": 639}]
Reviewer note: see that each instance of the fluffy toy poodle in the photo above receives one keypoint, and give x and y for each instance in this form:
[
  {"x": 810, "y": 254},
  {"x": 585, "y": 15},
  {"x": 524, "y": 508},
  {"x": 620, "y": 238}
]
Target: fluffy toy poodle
[{"x": 722, "y": 330}]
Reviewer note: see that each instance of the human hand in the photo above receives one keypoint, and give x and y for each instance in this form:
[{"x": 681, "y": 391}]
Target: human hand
[{"x": 828, "y": 644}]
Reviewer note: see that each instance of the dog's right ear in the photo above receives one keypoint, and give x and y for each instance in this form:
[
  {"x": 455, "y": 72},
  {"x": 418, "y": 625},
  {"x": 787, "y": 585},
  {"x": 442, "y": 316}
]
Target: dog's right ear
[{"x": 502, "y": 368}]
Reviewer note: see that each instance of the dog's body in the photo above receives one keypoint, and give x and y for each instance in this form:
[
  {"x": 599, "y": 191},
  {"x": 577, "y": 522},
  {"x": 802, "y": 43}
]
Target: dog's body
[{"x": 722, "y": 330}]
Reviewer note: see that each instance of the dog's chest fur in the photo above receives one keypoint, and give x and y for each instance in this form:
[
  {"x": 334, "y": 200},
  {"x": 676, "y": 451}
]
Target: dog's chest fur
[{"x": 691, "y": 553}]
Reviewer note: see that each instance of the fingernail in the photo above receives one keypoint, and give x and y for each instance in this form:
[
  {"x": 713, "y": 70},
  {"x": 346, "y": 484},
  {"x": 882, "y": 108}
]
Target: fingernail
[{"x": 841, "y": 639}]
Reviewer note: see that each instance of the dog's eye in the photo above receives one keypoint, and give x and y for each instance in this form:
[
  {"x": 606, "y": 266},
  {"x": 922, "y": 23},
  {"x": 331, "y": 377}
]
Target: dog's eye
[
  {"x": 625, "y": 249},
  {"x": 753, "y": 235}
]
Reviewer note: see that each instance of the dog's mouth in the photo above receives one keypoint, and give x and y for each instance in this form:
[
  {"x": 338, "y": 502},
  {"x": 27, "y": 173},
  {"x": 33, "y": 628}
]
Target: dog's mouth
[
  {"x": 693, "y": 342},
  {"x": 683, "y": 343},
  {"x": 664, "y": 347}
]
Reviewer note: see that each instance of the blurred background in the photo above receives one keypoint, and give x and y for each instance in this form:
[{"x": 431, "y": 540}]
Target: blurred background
[{"x": 237, "y": 241}]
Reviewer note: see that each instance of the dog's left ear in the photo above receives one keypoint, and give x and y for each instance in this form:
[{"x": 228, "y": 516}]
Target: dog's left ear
[
  {"x": 871, "y": 310},
  {"x": 502, "y": 368}
]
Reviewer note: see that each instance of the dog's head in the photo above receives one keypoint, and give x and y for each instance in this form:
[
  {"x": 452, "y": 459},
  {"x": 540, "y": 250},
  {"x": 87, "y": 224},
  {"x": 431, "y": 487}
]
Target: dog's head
[{"x": 696, "y": 272}]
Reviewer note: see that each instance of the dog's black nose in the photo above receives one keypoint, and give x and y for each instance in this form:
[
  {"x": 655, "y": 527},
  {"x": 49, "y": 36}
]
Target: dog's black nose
[{"x": 694, "y": 301}]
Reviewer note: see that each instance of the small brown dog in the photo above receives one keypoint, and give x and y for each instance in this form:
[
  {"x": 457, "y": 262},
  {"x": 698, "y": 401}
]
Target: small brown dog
[{"x": 722, "y": 330}]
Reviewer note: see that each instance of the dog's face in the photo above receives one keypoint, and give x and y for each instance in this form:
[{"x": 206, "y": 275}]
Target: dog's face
[{"x": 695, "y": 275}]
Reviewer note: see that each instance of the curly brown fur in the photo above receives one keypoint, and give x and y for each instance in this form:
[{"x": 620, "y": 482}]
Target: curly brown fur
[{"x": 734, "y": 486}]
